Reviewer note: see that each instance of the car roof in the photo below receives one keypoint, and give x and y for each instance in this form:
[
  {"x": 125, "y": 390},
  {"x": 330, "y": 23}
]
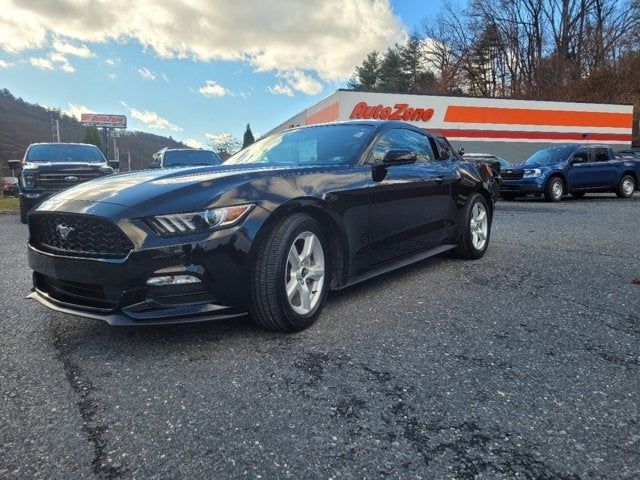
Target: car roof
[{"x": 63, "y": 144}]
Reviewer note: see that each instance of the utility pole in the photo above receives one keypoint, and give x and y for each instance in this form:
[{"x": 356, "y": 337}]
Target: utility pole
[
  {"x": 58, "y": 129},
  {"x": 53, "y": 130},
  {"x": 128, "y": 160}
]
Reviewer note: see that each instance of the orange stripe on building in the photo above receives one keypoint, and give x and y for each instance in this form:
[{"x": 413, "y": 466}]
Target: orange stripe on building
[
  {"x": 327, "y": 114},
  {"x": 530, "y": 116}
]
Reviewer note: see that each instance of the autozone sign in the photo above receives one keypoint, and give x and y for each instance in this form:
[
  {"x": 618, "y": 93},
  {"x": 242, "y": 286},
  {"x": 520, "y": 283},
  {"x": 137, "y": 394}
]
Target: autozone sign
[
  {"x": 400, "y": 111},
  {"x": 103, "y": 120}
]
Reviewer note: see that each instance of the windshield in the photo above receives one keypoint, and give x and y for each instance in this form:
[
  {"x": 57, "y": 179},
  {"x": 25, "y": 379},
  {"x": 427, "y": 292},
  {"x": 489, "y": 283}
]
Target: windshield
[
  {"x": 177, "y": 158},
  {"x": 322, "y": 145},
  {"x": 64, "y": 153},
  {"x": 549, "y": 156}
]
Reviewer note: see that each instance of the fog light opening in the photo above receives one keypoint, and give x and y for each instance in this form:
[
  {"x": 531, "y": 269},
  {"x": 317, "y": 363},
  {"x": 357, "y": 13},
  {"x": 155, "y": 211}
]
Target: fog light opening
[{"x": 172, "y": 280}]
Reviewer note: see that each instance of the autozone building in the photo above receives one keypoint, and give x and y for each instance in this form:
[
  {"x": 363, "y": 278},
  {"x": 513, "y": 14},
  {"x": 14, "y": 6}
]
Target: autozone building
[{"x": 512, "y": 129}]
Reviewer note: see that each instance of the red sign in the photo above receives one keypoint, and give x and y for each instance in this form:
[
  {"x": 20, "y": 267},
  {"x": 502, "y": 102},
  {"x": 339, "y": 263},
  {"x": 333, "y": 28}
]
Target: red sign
[
  {"x": 400, "y": 111},
  {"x": 103, "y": 120}
]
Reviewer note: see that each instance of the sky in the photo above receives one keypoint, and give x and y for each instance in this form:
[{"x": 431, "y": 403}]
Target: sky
[{"x": 193, "y": 69}]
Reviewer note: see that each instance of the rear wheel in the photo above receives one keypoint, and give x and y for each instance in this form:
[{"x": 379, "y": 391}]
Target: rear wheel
[
  {"x": 577, "y": 194},
  {"x": 554, "y": 189},
  {"x": 290, "y": 277},
  {"x": 23, "y": 212},
  {"x": 626, "y": 187},
  {"x": 476, "y": 229}
]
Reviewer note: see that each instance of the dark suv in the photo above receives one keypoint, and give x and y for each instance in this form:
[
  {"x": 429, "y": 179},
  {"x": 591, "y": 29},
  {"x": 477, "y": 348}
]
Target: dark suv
[
  {"x": 48, "y": 168},
  {"x": 184, "y": 157},
  {"x": 575, "y": 169}
]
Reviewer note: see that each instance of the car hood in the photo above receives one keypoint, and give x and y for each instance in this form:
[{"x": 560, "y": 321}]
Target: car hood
[
  {"x": 176, "y": 189},
  {"x": 63, "y": 167}
]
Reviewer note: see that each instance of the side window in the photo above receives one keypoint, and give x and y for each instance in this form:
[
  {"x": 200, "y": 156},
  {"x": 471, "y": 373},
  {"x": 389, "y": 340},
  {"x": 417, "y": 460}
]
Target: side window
[
  {"x": 581, "y": 156},
  {"x": 601, "y": 154},
  {"x": 403, "y": 139}
]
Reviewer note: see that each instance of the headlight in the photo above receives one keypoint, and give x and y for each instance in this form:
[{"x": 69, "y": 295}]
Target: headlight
[
  {"x": 532, "y": 173},
  {"x": 199, "y": 222},
  {"x": 29, "y": 179}
]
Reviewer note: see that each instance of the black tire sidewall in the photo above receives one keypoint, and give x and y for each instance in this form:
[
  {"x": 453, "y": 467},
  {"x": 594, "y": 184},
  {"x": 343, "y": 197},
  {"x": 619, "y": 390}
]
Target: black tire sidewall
[
  {"x": 294, "y": 319},
  {"x": 23, "y": 212}
]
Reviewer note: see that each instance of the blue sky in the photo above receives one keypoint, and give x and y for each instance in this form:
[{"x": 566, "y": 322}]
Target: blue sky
[{"x": 203, "y": 75}]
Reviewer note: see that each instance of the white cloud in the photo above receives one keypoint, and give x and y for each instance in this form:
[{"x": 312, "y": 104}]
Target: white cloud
[
  {"x": 112, "y": 61},
  {"x": 76, "y": 111},
  {"x": 41, "y": 63},
  {"x": 151, "y": 119},
  {"x": 67, "y": 68},
  {"x": 193, "y": 143},
  {"x": 112, "y": 76},
  {"x": 165, "y": 78},
  {"x": 67, "y": 48},
  {"x": 328, "y": 37},
  {"x": 146, "y": 73},
  {"x": 302, "y": 82},
  {"x": 213, "y": 89},
  {"x": 5, "y": 64},
  {"x": 281, "y": 89}
]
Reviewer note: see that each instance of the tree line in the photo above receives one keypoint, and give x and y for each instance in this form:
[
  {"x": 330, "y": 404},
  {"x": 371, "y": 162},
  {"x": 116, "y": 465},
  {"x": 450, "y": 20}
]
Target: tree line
[{"x": 565, "y": 50}]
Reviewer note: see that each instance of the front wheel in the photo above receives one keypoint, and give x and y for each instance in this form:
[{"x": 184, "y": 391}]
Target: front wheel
[
  {"x": 290, "y": 277},
  {"x": 554, "y": 189},
  {"x": 626, "y": 187},
  {"x": 476, "y": 229}
]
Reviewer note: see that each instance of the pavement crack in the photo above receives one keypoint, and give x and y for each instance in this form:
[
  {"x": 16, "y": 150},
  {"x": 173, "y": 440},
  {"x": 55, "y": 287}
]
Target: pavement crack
[{"x": 87, "y": 406}]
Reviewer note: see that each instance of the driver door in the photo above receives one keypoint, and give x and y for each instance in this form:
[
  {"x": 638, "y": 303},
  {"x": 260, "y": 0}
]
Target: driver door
[{"x": 408, "y": 203}]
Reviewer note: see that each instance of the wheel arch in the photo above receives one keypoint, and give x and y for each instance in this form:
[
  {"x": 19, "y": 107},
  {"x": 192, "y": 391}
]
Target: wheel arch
[
  {"x": 561, "y": 176},
  {"x": 631, "y": 173},
  {"x": 332, "y": 227}
]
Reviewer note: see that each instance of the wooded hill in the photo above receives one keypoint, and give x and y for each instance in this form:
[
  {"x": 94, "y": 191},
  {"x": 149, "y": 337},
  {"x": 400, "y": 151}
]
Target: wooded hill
[{"x": 23, "y": 123}]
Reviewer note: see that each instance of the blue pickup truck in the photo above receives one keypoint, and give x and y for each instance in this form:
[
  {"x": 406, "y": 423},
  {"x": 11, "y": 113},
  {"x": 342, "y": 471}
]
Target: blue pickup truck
[{"x": 575, "y": 169}]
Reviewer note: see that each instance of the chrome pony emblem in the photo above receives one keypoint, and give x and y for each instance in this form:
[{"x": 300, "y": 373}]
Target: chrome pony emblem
[
  {"x": 71, "y": 179},
  {"x": 64, "y": 230}
]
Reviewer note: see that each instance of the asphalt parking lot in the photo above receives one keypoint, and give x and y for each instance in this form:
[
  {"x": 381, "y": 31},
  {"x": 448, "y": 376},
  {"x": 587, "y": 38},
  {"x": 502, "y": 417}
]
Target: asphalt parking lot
[{"x": 525, "y": 364}]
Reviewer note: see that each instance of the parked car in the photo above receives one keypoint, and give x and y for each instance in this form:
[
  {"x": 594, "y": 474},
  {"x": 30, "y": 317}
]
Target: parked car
[
  {"x": 270, "y": 231},
  {"x": 184, "y": 157},
  {"x": 495, "y": 162},
  {"x": 575, "y": 169},
  {"x": 49, "y": 168},
  {"x": 10, "y": 186}
]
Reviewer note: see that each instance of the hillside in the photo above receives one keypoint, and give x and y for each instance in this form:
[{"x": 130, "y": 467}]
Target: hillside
[{"x": 23, "y": 123}]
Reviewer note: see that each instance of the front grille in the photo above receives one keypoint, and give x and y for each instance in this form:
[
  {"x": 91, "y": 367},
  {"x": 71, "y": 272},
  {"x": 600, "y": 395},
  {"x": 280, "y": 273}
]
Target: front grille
[
  {"x": 54, "y": 182},
  {"x": 87, "y": 295},
  {"x": 511, "y": 174},
  {"x": 78, "y": 235}
]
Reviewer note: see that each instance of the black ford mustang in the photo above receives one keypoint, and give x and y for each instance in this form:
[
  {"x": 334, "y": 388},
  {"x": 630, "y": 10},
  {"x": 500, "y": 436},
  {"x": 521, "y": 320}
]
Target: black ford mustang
[{"x": 269, "y": 232}]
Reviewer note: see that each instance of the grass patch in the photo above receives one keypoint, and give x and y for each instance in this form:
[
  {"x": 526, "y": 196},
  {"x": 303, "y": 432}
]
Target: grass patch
[{"x": 9, "y": 203}]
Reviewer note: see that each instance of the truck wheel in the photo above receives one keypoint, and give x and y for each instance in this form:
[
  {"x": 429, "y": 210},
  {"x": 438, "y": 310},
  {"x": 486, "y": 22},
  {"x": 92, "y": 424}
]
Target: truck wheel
[
  {"x": 577, "y": 194},
  {"x": 289, "y": 279},
  {"x": 626, "y": 187},
  {"x": 554, "y": 189},
  {"x": 23, "y": 212},
  {"x": 476, "y": 230}
]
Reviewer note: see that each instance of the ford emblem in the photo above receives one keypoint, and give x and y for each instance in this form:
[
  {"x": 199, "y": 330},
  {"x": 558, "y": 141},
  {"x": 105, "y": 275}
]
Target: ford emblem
[
  {"x": 70, "y": 179},
  {"x": 64, "y": 230}
]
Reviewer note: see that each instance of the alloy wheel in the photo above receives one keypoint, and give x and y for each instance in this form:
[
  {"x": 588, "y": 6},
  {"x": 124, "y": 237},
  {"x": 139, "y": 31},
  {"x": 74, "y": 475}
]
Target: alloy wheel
[
  {"x": 304, "y": 275},
  {"x": 557, "y": 189},
  {"x": 628, "y": 186},
  {"x": 479, "y": 226}
]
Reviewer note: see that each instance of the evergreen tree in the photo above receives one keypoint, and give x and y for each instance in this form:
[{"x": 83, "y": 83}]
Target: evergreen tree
[
  {"x": 368, "y": 74},
  {"x": 248, "y": 137},
  {"x": 92, "y": 136},
  {"x": 392, "y": 75},
  {"x": 412, "y": 61}
]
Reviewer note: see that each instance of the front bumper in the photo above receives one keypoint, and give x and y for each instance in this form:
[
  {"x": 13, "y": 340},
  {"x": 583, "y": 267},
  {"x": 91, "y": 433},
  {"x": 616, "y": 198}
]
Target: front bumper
[
  {"x": 522, "y": 186},
  {"x": 116, "y": 291}
]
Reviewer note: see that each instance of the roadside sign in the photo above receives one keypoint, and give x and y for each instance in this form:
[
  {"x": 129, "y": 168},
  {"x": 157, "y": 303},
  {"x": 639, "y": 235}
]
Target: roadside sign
[{"x": 103, "y": 120}]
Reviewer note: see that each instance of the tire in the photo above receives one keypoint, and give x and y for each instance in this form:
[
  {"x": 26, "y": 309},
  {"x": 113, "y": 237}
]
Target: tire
[
  {"x": 578, "y": 194},
  {"x": 23, "y": 212},
  {"x": 554, "y": 189},
  {"x": 507, "y": 196},
  {"x": 269, "y": 304},
  {"x": 626, "y": 186},
  {"x": 468, "y": 248}
]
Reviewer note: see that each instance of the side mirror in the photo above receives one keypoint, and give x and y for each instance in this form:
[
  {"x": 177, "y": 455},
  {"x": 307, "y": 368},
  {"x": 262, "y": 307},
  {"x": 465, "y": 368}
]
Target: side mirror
[
  {"x": 461, "y": 151},
  {"x": 399, "y": 157},
  {"x": 115, "y": 164},
  {"x": 154, "y": 165},
  {"x": 14, "y": 164}
]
